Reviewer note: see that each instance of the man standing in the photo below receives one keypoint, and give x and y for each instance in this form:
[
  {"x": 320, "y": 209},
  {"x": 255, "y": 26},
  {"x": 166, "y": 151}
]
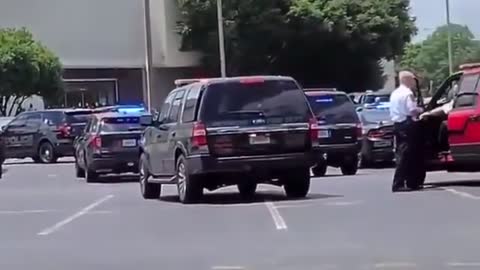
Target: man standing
[{"x": 404, "y": 113}]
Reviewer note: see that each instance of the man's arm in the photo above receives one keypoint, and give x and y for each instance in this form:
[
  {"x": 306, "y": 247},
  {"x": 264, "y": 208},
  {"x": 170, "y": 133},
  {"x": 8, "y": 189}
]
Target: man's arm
[
  {"x": 439, "y": 111},
  {"x": 412, "y": 107}
]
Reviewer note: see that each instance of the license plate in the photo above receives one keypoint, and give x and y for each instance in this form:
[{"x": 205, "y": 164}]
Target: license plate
[
  {"x": 382, "y": 143},
  {"x": 129, "y": 143},
  {"x": 259, "y": 139},
  {"x": 323, "y": 133}
]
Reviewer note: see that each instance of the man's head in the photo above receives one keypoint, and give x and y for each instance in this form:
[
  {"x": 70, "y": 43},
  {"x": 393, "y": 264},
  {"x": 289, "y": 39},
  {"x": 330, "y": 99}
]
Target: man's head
[{"x": 408, "y": 79}]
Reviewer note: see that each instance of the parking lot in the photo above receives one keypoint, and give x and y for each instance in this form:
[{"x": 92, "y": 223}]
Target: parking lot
[{"x": 51, "y": 220}]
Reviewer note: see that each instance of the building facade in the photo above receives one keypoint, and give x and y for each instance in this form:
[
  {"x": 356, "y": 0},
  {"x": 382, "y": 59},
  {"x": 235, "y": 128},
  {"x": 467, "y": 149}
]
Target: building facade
[{"x": 102, "y": 45}]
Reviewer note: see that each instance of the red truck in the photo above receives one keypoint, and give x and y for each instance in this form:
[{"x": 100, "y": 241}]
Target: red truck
[{"x": 460, "y": 150}]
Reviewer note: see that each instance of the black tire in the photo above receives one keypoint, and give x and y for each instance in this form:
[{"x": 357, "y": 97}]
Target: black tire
[
  {"x": 297, "y": 183},
  {"x": 46, "y": 153},
  {"x": 79, "y": 172},
  {"x": 189, "y": 187},
  {"x": 320, "y": 169},
  {"x": 247, "y": 189},
  {"x": 36, "y": 159},
  {"x": 90, "y": 175},
  {"x": 150, "y": 191},
  {"x": 349, "y": 168}
]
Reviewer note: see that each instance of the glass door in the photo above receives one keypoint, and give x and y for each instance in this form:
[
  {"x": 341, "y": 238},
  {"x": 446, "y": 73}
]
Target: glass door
[{"x": 90, "y": 93}]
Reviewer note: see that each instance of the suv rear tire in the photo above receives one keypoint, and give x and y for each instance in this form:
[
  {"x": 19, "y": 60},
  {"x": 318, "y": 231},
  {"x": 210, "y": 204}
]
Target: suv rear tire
[
  {"x": 350, "y": 168},
  {"x": 189, "y": 187},
  {"x": 46, "y": 153},
  {"x": 297, "y": 183},
  {"x": 247, "y": 189},
  {"x": 320, "y": 169},
  {"x": 79, "y": 172},
  {"x": 90, "y": 175},
  {"x": 149, "y": 190}
]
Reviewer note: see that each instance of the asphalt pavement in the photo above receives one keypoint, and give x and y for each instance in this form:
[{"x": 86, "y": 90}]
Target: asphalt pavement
[{"x": 51, "y": 220}]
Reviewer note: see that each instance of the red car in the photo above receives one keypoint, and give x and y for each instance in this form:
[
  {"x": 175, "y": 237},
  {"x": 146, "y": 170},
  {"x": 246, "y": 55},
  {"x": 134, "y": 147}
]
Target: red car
[{"x": 456, "y": 147}]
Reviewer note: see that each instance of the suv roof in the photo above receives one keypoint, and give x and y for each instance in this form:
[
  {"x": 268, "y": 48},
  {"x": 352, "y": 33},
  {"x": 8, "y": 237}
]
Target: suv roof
[
  {"x": 246, "y": 79},
  {"x": 312, "y": 92}
]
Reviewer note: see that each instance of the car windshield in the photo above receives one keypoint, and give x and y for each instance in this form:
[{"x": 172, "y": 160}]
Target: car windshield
[
  {"x": 78, "y": 118},
  {"x": 374, "y": 116},
  {"x": 120, "y": 124},
  {"x": 369, "y": 99},
  {"x": 333, "y": 109},
  {"x": 236, "y": 103}
]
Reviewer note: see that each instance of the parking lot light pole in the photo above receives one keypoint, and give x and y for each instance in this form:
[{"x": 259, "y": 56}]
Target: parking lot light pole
[
  {"x": 221, "y": 39},
  {"x": 148, "y": 54},
  {"x": 449, "y": 33}
]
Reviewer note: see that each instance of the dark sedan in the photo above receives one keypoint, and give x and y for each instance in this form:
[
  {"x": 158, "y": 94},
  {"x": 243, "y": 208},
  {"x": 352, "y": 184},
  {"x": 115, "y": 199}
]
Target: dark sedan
[{"x": 377, "y": 143}]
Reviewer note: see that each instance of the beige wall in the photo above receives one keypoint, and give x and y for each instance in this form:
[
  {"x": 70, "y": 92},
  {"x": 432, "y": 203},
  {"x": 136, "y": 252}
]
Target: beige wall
[{"x": 100, "y": 33}]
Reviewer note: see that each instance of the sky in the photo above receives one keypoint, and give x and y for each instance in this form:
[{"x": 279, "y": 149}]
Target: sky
[{"x": 431, "y": 14}]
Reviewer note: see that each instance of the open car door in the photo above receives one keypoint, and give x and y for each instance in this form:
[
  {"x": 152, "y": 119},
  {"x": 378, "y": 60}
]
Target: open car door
[{"x": 464, "y": 124}]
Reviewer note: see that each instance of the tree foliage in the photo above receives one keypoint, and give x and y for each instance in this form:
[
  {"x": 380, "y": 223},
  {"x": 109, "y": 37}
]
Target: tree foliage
[
  {"x": 320, "y": 42},
  {"x": 430, "y": 57},
  {"x": 26, "y": 68}
]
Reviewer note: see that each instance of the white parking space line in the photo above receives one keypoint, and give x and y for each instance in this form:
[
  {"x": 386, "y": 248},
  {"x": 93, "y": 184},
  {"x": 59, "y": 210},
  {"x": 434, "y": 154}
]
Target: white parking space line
[
  {"x": 464, "y": 264},
  {"x": 394, "y": 265},
  {"x": 277, "y": 218},
  {"x": 343, "y": 203},
  {"x": 227, "y": 267},
  {"x": 52, "y": 175},
  {"x": 22, "y": 212},
  {"x": 71, "y": 218},
  {"x": 462, "y": 194}
]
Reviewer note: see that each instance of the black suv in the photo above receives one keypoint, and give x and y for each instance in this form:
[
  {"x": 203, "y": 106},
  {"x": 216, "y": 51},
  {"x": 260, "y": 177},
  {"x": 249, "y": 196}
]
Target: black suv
[
  {"x": 237, "y": 131},
  {"x": 109, "y": 144},
  {"x": 340, "y": 131},
  {"x": 43, "y": 136}
]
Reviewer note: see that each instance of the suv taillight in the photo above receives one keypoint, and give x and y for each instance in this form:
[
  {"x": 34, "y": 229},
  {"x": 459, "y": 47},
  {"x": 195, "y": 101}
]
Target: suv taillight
[
  {"x": 199, "y": 135},
  {"x": 96, "y": 142},
  {"x": 65, "y": 130},
  {"x": 375, "y": 134},
  {"x": 313, "y": 129}
]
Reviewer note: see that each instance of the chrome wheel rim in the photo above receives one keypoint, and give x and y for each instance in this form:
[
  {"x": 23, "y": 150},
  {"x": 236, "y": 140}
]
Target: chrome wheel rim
[
  {"x": 46, "y": 153},
  {"x": 181, "y": 180}
]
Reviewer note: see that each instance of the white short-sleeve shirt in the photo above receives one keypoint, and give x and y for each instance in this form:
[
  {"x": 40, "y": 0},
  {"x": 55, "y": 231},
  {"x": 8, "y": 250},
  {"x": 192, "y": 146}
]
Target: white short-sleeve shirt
[{"x": 403, "y": 105}]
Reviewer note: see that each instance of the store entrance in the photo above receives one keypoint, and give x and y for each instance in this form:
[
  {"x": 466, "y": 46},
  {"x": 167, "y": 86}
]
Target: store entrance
[{"x": 90, "y": 93}]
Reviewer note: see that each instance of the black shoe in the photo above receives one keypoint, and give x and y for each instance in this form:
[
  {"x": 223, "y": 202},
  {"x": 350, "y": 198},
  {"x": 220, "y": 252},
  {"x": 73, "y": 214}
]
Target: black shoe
[{"x": 401, "y": 189}]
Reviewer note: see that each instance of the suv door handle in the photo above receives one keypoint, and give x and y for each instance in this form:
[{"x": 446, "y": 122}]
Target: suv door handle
[
  {"x": 173, "y": 134},
  {"x": 475, "y": 117}
]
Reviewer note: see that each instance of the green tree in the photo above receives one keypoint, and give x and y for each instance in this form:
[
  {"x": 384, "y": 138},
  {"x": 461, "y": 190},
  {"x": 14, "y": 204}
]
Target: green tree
[
  {"x": 26, "y": 68},
  {"x": 320, "y": 42},
  {"x": 430, "y": 57}
]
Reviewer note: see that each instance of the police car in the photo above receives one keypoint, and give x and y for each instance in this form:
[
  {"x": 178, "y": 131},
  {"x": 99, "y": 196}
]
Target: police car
[{"x": 109, "y": 144}]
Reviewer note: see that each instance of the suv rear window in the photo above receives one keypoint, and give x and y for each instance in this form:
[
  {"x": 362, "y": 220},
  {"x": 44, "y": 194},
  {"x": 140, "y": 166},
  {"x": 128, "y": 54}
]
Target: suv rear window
[
  {"x": 333, "y": 109},
  {"x": 116, "y": 124},
  {"x": 375, "y": 116},
  {"x": 54, "y": 118},
  {"x": 369, "y": 99},
  {"x": 270, "y": 102},
  {"x": 78, "y": 118}
]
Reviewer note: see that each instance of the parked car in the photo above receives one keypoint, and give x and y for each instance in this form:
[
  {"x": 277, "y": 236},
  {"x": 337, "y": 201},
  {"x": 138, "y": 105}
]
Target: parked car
[
  {"x": 109, "y": 144},
  {"x": 377, "y": 142},
  {"x": 340, "y": 131},
  {"x": 240, "y": 131},
  {"x": 43, "y": 136}
]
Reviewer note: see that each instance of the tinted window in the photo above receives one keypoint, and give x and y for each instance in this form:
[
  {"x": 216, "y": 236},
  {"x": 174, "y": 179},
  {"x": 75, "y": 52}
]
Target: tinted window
[
  {"x": 191, "y": 103},
  {"x": 375, "y": 117},
  {"x": 333, "y": 109},
  {"x": 19, "y": 121},
  {"x": 120, "y": 124},
  {"x": 166, "y": 107},
  {"x": 239, "y": 103},
  {"x": 34, "y": 120},
  {"x": 468, "y": 83},
  {"x": 54, "y": 118},
  {"x": 78, "y": 118},
  {"x": 176, "y": 105},
  {"x": 369, "y": 99},
  {"x": 465, "y": 100}
]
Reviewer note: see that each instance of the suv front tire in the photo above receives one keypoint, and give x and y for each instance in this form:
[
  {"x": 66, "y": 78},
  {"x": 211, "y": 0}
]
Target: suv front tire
[{"x": 297, "y": 183}]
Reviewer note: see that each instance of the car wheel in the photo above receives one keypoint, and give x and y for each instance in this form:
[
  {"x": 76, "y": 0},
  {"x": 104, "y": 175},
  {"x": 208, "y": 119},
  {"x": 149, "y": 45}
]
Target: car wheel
[
  {"x": 79, "y": 172},
  {"x": 37, "y": 159},
  {"x": 297, "y": 183},
  {"x": 149, "y": 190},
  {"x": 90, "y": 175},
  {"x": 189, "y": 187},
  {"x": 349, "y": 168},
  {"x": 320, "y": 169},
  {"x": 46, "y": 153},
  {"x": 247, "y": 189}
]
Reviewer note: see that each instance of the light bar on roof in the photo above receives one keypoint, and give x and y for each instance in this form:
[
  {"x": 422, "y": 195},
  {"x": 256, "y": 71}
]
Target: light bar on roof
[{"x": 183, "y": 82}]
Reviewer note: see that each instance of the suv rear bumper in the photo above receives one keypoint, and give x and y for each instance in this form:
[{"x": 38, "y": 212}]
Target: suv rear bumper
[
  {"x": 267, "y": 163},
  {"x": 336, "y": 153},
  {"x": 115, "y": 164}
]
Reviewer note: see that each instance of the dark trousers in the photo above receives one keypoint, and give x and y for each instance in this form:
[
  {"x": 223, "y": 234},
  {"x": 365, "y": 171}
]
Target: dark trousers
[{"x": 410, "y": 163}]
